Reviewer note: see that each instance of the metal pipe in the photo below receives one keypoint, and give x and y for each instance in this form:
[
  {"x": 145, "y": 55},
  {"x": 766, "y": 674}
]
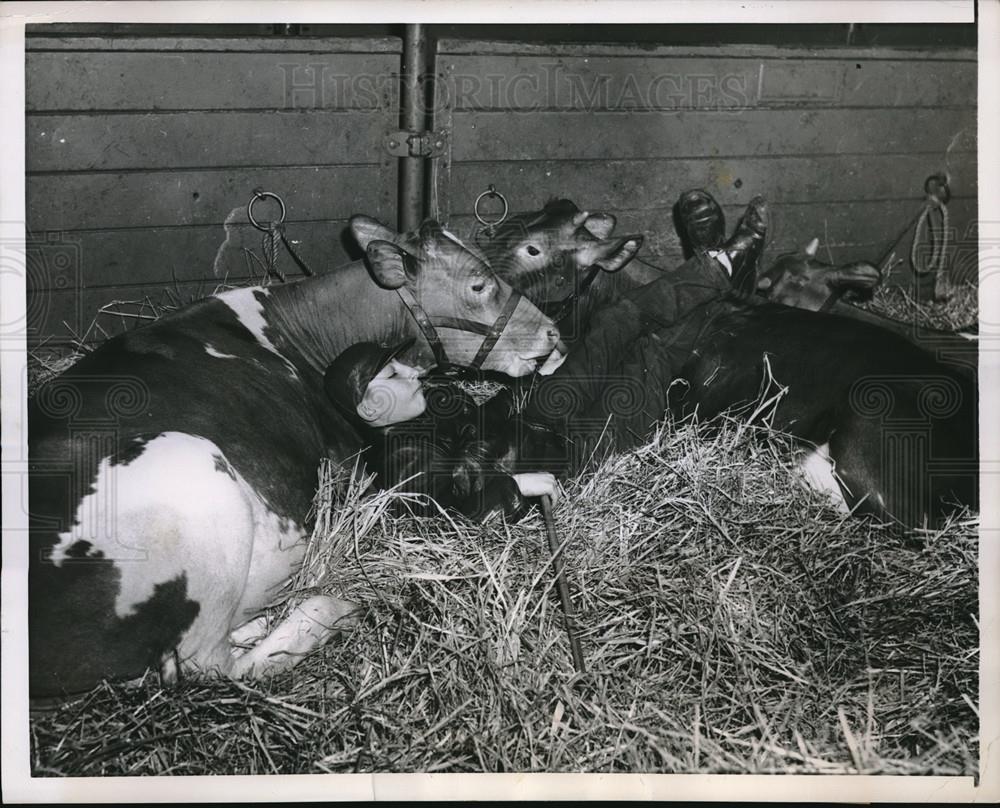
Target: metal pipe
[{"x": 412, "y": 118}]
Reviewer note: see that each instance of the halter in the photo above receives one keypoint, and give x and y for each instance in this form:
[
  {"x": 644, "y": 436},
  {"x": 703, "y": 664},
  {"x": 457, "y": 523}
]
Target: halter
[
  {"x": 837, "y": 294},
  {"x": 566, "y": 305},
  {"x": 427, "y": 326},
  {"x": 832, "y": 300}
]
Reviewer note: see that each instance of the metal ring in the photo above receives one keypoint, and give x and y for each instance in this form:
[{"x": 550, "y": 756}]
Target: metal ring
[
  {"x": 493, "y": 193},
  {"x": 257, "y": 196}
]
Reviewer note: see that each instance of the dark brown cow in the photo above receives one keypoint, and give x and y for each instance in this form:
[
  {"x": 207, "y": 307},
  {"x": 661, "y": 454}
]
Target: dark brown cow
[{"x": 900, "y": 426}]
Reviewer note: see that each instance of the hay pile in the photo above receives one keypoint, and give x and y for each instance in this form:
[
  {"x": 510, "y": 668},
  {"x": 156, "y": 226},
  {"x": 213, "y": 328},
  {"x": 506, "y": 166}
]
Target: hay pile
[
  {"x": 959, "y": 311},
  {"x": 733, "y": 622}
]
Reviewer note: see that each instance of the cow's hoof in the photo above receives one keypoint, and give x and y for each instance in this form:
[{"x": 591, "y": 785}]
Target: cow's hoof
[
  {"x": 703, "y": 221},
  {"x": 309, "y": 626}
]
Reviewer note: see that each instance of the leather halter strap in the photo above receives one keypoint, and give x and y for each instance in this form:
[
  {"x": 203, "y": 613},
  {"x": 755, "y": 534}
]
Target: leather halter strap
[
  {"x": 426, "y": 326},
  {"x": 563, "y": 307},
  {"x": 491, "y": 334},
  {"x": 490, "y": 340},
  {"x": 832, "y": 300}
]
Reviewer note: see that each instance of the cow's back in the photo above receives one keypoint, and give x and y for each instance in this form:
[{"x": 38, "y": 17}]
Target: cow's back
[
  {"x": 897, "y": 419},
  {"x": 191, "y": 425}
]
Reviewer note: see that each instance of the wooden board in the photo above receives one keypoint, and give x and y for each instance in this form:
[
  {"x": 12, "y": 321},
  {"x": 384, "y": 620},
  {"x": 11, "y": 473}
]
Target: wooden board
[
  {"x": 182, "y": 80},
  {"x": 94, "y": 259},
  {"x": 84, "y": 142},
  {"x": 483, "y": 136},
  {"x": 655, "y": 184},
  {"x": 136, "y": 41},
  {"x": 721, "y": 81},
  {"x": 790, "y": 50},
  {"x": 198, "y": 197}
]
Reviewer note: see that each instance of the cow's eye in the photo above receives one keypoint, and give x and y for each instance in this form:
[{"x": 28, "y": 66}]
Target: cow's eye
[
  {"x": 533, "y": 250},
  {"x": 478, "y": 286}
]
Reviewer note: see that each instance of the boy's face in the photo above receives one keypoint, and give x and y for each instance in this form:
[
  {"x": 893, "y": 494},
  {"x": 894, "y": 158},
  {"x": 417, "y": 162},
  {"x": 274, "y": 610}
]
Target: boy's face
[{"x": 394, "y": 395}]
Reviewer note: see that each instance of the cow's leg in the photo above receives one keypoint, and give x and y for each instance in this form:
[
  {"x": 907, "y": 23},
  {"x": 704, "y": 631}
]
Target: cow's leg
[
  {"x": 309, "y": 626},
  {"x": 243, "y": 638},
  {"x": 867, "y": 474}
]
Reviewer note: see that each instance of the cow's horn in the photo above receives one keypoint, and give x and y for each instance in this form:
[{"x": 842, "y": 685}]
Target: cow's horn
[
  {"x": 812, "y": 247},
  {"x": 580, "y": 218}
]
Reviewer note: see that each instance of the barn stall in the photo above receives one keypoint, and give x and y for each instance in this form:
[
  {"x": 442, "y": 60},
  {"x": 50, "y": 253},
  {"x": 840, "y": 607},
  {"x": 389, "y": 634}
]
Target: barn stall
[{"x": 746, "y": 629}]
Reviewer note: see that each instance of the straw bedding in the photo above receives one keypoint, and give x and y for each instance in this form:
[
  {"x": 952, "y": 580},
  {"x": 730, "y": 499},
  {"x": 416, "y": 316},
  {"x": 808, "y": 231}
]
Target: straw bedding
[{"x": 732, "y": 621}]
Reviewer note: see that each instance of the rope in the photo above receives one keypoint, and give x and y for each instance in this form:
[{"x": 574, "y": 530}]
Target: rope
[
  {"x": 939, "y": 246},
  {"x": 273, "y": 232},
  {"x": 269, "y": 246},
  {"x": 936, "y": 195}
]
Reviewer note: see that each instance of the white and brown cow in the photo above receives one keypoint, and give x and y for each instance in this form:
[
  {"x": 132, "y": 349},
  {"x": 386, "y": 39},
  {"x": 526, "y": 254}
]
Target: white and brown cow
[{"x": 172, "y": 468}]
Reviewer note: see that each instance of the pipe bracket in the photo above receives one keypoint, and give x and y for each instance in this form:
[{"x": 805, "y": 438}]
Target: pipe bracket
[{"x": 416, "y": 144}]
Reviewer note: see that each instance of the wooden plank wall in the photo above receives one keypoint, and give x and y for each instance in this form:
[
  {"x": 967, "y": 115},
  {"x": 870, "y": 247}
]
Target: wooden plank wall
[
  {"x": 839, "y": 140},
  {"x": 143, "y": 152}
]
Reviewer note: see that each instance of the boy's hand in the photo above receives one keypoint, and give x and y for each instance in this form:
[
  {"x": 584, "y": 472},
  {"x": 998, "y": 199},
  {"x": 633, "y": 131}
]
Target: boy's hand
[{"x": 538, "y": 484}]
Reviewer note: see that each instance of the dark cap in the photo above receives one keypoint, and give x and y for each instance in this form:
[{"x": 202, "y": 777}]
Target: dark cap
[{"x": 348, "y": 376}]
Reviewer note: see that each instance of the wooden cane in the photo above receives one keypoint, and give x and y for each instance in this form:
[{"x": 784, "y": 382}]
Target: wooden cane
[{"x": 567, "y": 604}]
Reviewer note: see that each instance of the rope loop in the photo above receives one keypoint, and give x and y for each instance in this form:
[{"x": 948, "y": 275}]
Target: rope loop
[{"x": 937, "y": 194}]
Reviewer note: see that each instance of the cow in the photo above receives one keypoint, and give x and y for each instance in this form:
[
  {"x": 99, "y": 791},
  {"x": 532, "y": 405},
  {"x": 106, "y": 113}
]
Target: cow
[
  {"x": 890, "y": 427},
  {"x": 798, "y": 279},
  {"x": 565, "y": 259},
  {"x": 886, "y": 426},
  {"x": 172, "y": 469}
]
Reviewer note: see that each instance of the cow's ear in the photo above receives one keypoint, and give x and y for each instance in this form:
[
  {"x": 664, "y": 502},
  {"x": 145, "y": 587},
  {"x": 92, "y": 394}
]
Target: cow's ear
[
  {"x": 391, "y": 265},
  {"x": 623, "y": 251},
  {"x": 811, "y": 248},
  {"x": 365, "y": 230},
  {"x": 600, "y": 225}
]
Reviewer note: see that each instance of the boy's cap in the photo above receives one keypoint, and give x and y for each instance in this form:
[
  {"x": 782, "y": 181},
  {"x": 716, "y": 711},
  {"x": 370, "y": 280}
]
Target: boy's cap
[{"x": 349, "y": 375}]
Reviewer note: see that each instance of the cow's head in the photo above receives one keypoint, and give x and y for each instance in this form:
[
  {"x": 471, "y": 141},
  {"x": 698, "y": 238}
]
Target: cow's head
[
  {"x": 798, "y": 279},
  {"x": 547, "y": 254},
  {"x": 452, "y": 282}
]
